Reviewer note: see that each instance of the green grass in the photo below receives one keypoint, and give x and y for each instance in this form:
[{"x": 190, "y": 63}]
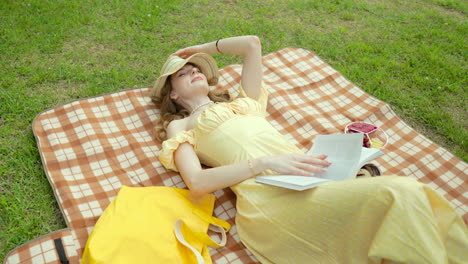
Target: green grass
[{"x": 411, "y": 54}]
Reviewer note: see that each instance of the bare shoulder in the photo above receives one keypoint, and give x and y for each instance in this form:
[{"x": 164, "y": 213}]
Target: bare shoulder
[{"x": 176, "y": 126}]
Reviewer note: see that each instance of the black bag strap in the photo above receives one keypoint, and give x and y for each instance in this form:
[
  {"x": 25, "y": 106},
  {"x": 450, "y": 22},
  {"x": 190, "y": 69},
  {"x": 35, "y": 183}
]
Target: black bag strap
[{"x": 61, "y": 251}]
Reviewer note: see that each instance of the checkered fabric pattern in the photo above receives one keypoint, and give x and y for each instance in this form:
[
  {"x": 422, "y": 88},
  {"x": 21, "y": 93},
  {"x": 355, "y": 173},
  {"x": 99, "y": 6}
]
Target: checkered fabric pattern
[{"x": 92, "y": 147}]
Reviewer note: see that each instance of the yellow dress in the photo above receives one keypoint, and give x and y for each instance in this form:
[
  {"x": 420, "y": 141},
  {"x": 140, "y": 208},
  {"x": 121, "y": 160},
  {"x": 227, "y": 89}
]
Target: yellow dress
[{"x": 387, "y": 219}]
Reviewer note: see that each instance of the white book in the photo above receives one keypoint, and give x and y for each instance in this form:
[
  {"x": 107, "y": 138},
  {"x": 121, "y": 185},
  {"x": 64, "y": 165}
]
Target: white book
[{"x": 344, "y": 151}]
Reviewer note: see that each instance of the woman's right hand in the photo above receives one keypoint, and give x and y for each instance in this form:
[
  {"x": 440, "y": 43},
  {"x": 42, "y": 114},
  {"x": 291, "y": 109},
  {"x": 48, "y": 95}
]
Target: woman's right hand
[
  {"x": 189, "y": 51},
  {"x": 296, "y": 164}
]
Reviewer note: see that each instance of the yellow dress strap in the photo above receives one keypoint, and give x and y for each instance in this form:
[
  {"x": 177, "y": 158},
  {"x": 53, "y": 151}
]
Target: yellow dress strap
[
  {"x": 169, "y": 146},
  {"x": 262, "y": 100}
]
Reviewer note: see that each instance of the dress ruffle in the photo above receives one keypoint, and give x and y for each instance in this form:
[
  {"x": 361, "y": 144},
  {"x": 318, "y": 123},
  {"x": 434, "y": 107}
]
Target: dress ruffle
[
  {"x": 216, "y": 115},
  {"x": 169, "y": 146}
]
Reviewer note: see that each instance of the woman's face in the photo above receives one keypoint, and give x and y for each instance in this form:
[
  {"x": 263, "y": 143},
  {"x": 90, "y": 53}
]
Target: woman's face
[{"x": 189, "y": 81}]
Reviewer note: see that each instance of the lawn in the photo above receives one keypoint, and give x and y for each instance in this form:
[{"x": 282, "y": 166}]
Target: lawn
[{"x": 410, "y": 54}]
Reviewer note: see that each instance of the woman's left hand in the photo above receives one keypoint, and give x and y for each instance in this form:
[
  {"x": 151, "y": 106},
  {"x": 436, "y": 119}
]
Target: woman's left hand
[{"x": 295, "y": 164}]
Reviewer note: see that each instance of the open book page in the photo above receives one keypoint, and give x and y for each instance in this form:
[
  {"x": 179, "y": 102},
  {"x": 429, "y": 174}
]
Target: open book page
[
  {"x": 297, "y": 183},
  {"x": 368, "y": 154},
  {"x": 343, "y": 151}
]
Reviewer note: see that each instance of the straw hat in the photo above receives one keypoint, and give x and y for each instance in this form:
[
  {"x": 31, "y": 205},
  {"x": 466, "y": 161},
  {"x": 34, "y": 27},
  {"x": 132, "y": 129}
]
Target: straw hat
[{"x": 205, "y": 62}]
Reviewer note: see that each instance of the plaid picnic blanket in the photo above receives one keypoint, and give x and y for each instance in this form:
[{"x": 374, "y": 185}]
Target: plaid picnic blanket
[{"x": 90, "y": 148}]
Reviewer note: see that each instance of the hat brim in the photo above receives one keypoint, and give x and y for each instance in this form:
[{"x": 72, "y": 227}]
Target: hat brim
[{"x": 205, "y": 62}]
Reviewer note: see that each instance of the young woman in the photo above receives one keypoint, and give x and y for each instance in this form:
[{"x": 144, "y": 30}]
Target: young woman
[{"x": 373, "y": 220}]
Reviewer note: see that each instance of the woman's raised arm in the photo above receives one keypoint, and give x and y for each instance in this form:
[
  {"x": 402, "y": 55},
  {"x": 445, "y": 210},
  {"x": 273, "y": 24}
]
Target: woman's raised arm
[{"x": 248, "y": 47}]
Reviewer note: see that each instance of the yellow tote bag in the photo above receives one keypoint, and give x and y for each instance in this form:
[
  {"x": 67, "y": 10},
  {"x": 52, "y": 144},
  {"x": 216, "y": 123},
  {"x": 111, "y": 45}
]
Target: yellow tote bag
[{"x": 154, "y": 225}]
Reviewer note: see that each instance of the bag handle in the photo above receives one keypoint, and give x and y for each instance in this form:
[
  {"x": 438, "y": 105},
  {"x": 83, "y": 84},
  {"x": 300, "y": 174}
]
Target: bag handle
[
  {"x": 215, "y": 224},
  {"x": 220, "y": 230},
  {"x": 181, "y": 239}
]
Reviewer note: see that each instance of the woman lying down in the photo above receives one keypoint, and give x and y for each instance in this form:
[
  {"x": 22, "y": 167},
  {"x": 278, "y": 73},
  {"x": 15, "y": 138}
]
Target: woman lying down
[{"x": 386, "y": 219}]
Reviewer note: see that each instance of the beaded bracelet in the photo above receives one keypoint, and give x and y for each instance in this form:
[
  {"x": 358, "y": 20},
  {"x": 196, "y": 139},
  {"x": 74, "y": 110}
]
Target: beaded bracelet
[{"x": 217, "y": 46}]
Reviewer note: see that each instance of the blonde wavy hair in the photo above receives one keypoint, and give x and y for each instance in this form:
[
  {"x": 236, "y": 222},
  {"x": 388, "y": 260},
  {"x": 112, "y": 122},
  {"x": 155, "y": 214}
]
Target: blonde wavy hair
[{"x": 170, "y": 110}]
